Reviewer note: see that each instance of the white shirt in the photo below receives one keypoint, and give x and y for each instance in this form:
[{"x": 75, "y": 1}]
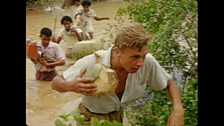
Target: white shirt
[
  {"x": 69, "y": 37},
  {"x": 54, "y": 50},
  {"x": 151, "y": 73},
  {"x": 86, "y": 16},
  {"x": 74, "y": 10}
]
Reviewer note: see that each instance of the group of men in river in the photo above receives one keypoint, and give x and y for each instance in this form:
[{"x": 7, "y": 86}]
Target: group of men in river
[{"x": 77, "y": 27}]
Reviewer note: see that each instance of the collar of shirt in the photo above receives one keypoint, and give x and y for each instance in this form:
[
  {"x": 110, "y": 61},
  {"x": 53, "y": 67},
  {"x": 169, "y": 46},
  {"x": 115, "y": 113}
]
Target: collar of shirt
[
  {"x": 151, "y": 73},
  {"x": 111, "y": 102},
  {"x": 42, "y": 47},
  {"x": 107, "y": 60}
]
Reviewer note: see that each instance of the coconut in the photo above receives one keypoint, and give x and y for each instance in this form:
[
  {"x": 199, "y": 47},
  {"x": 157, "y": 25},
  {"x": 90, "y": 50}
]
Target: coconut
[{"x": 104, "y": 77}]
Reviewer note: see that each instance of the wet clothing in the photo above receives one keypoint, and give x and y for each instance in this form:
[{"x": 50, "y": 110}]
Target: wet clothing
[
  {"x": 48, "y": 76},
  {"x": 55, "y": 51},
  {"x": 69, "y": 39},
  {"x": 86, "y": 19},
  {"x": 76, "y": 22},
  {"x": 74, "y": 10}
]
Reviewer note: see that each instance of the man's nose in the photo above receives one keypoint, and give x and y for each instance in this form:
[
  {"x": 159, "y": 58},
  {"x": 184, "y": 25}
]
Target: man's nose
[
  {"x": 140, "y": 62},
  {"x": 46, "y": 41}
]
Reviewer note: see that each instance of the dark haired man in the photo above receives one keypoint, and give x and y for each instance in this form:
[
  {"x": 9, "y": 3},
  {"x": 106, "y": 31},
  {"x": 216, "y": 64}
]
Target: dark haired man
[
  {"x": 85, "y": 16},
  {"x": 70, "y": 34},
  {"x": 46, "y": 70}
]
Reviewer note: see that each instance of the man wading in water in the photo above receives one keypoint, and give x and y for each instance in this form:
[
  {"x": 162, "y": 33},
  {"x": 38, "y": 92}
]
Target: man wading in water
[{"x": 45, "y": 70}]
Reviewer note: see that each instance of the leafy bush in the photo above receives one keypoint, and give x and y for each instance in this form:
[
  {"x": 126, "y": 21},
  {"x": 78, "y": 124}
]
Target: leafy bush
[
  {"x": 173, "y": 25},
  {"x": 149, "y": 110},
  {"x": 69, "y": 118}
]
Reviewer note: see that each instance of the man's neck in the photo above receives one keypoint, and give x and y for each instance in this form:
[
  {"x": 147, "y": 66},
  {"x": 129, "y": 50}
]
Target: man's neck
[
  {"x": 115, "y": 64},
  {"x": 67, "y": 29},
  {"x": 45, "y": 46}
]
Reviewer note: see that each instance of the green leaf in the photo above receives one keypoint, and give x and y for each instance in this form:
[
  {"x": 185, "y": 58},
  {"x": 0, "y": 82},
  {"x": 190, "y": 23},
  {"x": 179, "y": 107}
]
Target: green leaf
[
  {"x": 105, "y": 123},
  {"x": 116, "y": 123},
  {"x": 94, "y": 121},
  {"x": 75, "y": 112},
  {"x": 64, "y": 117},
  {"x": 58, "y": 122},
  {"x": 80, "y": 118}
]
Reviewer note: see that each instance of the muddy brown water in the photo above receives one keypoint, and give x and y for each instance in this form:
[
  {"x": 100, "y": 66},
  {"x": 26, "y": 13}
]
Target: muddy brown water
[{"x": 43, "y": 105}]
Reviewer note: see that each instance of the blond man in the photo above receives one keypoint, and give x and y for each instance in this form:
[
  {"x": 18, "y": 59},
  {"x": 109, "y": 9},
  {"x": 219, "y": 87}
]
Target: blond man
[{"x": 135, "y": 68}]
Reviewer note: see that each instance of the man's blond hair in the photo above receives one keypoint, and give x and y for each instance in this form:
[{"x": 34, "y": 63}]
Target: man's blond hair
[{"x": 132, "y": 36}]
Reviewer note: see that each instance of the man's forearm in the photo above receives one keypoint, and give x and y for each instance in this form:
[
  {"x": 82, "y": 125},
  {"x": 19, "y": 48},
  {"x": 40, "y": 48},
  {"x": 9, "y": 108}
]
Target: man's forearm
[
  {"x": 100, "y": 19},
  {"x": 60, "y": 84},
  {"x": 58, "y": 40},
  {"x": 76, "y": 15},
  {"x": 176, "y": 117},
  {"x": 174, "y": 95},
  {"x": 57, "y": 63}
]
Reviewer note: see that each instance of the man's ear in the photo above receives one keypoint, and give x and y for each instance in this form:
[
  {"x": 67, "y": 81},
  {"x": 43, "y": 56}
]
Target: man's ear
[{"x": 117, "y": 51}]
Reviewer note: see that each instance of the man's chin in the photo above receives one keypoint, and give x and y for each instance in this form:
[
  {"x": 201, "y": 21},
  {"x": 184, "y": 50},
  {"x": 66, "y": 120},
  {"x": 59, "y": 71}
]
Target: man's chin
[{"x": 133, "y": 70}]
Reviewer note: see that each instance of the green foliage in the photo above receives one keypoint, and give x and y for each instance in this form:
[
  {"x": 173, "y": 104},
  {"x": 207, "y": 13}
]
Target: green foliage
[
  {"x": 154, "y": 113},
  {"x": 58, "y": 122},
  {"x": 69, "y": 118},
  {"x": 190, "y": 101},
  {"x": 173, "y": 25}
]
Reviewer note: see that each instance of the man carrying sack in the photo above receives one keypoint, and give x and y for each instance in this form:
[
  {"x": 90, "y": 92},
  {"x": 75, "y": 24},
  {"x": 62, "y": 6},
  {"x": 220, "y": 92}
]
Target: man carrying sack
[{"x": 135, "y": 68}]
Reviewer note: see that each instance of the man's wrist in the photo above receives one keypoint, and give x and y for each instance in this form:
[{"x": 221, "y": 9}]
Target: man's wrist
[
  {"x": 68, "y": 86},
  {"x": 178, "y": 108},
  {"x": 48, "y": 64}
]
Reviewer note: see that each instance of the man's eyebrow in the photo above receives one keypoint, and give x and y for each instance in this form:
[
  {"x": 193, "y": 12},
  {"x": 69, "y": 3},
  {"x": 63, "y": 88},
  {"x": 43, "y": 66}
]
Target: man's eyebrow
[
  {"x": 135, "y": 55},
  {"x": 139, "y": 54}
]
